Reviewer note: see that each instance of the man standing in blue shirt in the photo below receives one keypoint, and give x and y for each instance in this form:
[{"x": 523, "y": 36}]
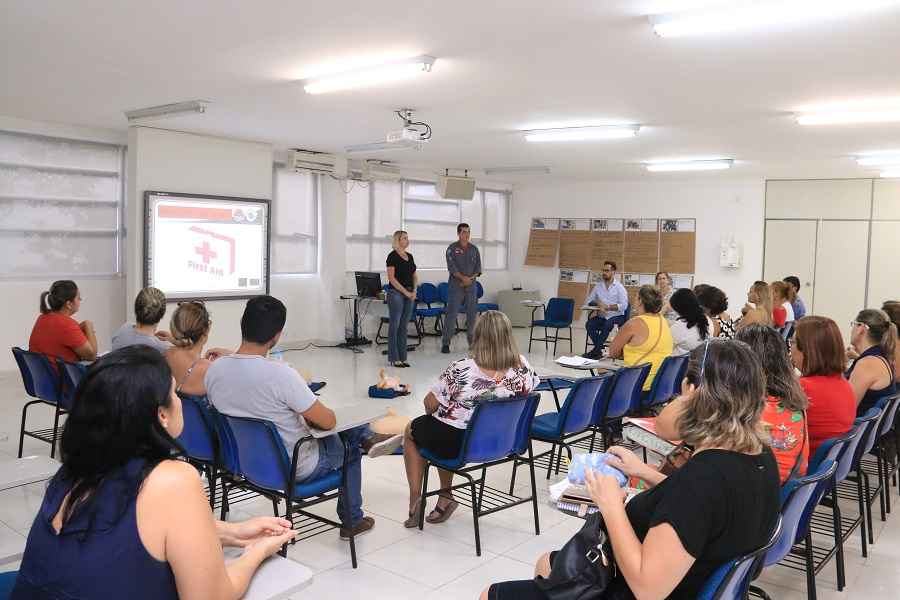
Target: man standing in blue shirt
[
  {"x": 611, "y": 300},
  {"x": 797, "y": 304},
  {"x": 464, "y": 265}
]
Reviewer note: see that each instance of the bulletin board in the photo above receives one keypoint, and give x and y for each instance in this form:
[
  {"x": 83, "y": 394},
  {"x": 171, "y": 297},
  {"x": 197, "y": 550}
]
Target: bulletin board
[
  {"x": 641, "y": 246},
  {"x": 543, "y": 243},
  {"x": 677, "y": 243},
  {"x": 575, "y": 285},
  {"x": 607, "y": 242},
  {"x": 575, "y": 244}
]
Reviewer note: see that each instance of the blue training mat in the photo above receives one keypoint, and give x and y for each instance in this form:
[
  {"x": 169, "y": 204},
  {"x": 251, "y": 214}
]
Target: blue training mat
[{"x": 376, "y": 392}]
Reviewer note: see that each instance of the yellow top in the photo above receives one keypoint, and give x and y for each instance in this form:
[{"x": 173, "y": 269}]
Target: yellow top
[{"x": 660, "y": 340}]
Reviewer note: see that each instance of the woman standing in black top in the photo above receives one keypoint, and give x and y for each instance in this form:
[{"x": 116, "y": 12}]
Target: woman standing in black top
[
  {"x": 401, "y": 297},
  {"x": 723, "y": 503}
]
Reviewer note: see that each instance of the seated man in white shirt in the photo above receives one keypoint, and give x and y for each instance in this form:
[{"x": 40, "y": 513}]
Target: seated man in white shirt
[
  {"x": 611, "y": 300},
  {"x": 247, "y": 384}
]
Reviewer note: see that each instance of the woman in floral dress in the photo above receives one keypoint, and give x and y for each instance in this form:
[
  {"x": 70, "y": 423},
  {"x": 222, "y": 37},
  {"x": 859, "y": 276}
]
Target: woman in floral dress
[{"x": 493, "y": 369}]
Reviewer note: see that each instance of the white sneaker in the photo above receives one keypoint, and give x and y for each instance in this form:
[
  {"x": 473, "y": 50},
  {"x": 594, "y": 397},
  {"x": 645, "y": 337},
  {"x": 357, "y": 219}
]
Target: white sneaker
[{"x": 388, "y": 446}]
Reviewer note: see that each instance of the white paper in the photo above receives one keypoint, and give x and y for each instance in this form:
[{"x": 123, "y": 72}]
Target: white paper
[
  {"x": 682, "y": 281},
  {"x": 647, "y": 279},
  {"x": 576, "y": 361}
]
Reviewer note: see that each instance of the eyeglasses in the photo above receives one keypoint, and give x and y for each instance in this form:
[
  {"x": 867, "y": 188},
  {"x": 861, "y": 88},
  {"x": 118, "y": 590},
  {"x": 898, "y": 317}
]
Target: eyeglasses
[{"x": 857, "y": 324}]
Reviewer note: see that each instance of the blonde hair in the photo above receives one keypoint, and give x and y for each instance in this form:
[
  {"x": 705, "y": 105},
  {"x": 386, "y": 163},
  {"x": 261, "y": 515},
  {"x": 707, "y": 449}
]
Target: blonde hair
[
  {"x": 763, "y": 294},
  {"x": 149, "y": 306},
  {"x": 725, "y": 410},
  {"x": 395, "y": 243},
  {"x": 189, "y": 323},
  {"x": 493, "y": 345}
]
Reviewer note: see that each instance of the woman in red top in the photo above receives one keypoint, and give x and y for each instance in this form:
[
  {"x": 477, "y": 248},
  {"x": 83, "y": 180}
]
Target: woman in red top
[
  {"x": 783, "y": 415},
  {"x": 56, "y": 333},
  {"x": 818, "y": 351}
]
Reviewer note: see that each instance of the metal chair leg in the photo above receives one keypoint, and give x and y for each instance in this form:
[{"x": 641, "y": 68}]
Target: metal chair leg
[
  {"x": 475, "y": 510},
  {"x": 810, "y": 568},
  {"x": 422, "y": 497},
  {"x": 550, "y": 462},
  {"x": 537, "y": 524},
  {"x": 863, "y": 502},
  {"x": 55, "y": 431},
  {"x": 838, "y": 539}
]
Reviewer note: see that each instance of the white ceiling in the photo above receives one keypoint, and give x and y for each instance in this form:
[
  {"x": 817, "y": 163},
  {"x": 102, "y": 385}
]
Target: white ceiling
[{"x": 503, "y": 65}]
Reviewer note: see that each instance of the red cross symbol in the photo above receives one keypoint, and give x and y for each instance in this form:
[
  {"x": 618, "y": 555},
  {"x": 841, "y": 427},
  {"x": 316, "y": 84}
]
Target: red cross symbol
[{"x": 206, "y": 252}]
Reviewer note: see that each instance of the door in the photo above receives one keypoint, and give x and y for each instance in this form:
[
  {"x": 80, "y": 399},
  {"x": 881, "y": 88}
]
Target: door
[
  {"x": 841, "y": 255},
  {"x": 884, "y": 268},
  {"x": 791, "y": 250}
]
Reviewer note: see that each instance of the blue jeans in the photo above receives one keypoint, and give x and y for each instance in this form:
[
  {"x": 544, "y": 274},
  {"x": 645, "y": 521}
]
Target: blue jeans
[
  {"x": 599, "y": 329},
  {"x": 331, "y": 458},
  {"x": 400, "y": 310}
]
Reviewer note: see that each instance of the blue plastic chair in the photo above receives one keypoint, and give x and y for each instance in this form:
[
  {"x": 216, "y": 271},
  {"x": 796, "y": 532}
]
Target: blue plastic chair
[
  {"x": 386, "y": 321},
  {"x": 427, "y": 294},
  {"x": 667, "y": 382},
  {"x": 71, "y": 374},
  {"x": 732, "y": 580},
  {"x": 43, "y": 383},
  {"x": 554, "y": 384},
  {"x": 798, "y": 499},
  {"x": 820, "y": 522},
  {"x": 498, "y": 433},
  {"x": 862, "y": 491},
  {"x": 264, "y": 466},
  {"x": 484, "y": 306},
  {"x": 575, "y": 417},
  {"x": 624, "y": 399},
  {"x": 200, "y": 440},
  {"x": 881, "y": 468},
  {"x": 558, "y": 314}
]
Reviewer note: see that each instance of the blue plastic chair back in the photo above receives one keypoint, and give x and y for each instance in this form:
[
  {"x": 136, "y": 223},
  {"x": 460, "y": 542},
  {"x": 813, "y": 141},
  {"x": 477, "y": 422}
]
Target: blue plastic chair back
[
  {"x": 890, "y": 412},
  {"x": 228, "y": 452},
  {"x": 560, "y": 309},
  {"x": 495, "y": 429},
  {"x": 578, "y": 410},
  {"x": 830, "y": 449},
  {"x": 848, "y": 455},
  {"x": 479, "y": 290},
  {"x": 732, "y": 580},
  {"x": 427, "y": 293},
  {"x": 523, "y": 429},
  {"x": 799, "y": 497},
  {"x": 198, "y": 438},
  {"x": 625, "y": 395},
  {"x": 38, "y": 375},
  {"x": 443, "y": 290},
  {"x": 71, "y": 374},
  {"x": 667, "y": 382},
  {"x": 262, "y": 457}
]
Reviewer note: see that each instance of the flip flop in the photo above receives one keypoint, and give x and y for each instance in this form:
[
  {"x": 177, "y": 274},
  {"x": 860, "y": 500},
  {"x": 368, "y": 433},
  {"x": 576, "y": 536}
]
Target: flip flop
[
  {"x": 413, "y": 520},
  {"x": 442, "y": 513}
]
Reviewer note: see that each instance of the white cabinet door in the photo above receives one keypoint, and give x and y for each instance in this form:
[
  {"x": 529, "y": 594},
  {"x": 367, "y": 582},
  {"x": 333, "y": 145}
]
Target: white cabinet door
[
  {"x": 791, "y": 250},
  {"x": 884, "y": 266},
  {"x": 841, "y": 271}
]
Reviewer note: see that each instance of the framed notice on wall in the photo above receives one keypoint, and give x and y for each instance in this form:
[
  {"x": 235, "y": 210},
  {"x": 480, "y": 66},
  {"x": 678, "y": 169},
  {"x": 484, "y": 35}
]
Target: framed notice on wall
[
  {"x": 641, "y": 245},
  {"x": 543, "y": 243},
  {"x": 677, "y": 245},
  {"x": 575, "y": 244}
]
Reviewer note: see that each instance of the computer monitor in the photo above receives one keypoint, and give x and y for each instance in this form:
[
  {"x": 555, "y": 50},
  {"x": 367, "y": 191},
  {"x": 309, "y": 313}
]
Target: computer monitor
[{"x": 368, "y": 285}]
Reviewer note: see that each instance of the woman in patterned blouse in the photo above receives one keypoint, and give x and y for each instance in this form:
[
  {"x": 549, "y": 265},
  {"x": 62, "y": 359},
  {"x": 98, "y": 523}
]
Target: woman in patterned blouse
[
  {"x": 493, "y": 369},
  {"x": 715, "y": 304}
]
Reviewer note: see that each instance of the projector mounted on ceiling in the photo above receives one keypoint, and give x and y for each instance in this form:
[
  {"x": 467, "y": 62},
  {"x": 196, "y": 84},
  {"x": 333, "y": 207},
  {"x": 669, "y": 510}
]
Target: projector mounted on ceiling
[{"x": 411, "y": 136}]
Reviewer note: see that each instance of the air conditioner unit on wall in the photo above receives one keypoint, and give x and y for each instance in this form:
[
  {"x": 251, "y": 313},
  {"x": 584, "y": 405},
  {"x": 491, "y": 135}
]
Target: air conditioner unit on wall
[
  {"x": 317, "y": 162},
  {"x": 375, "y": 170},
  {"x": 456, "y": 188}
]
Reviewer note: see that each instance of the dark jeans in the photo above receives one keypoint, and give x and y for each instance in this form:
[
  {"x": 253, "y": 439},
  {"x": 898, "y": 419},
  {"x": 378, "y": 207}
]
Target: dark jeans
[
  {"x": 599, "y": 328},
  {"x": 331, "y": 458},
  {"x": 456, "y": 296},
  {"x": 400, "y": 310}
]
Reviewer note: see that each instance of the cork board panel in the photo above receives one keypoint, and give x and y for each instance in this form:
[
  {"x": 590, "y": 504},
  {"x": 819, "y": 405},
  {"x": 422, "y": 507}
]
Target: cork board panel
[
  {"x": 577, "y": 291},
  {"x": 543, "y": 245},
  {"x": 575, "y": 249},
  {"x": 641, "y": 252},
  {"x": 677, "y": 251},
  {"x": 607, "y": 245}
]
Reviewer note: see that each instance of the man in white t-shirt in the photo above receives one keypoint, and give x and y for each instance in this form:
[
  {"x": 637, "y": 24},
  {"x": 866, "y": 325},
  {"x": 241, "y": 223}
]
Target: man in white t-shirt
[{"x": 247, "y": 384}]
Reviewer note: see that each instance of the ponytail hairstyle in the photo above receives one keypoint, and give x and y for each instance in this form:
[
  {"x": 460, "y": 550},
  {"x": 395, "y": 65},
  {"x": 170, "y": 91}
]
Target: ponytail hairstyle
[
  {"x": 764, "y": 299},
  {"x": 60, "y": 292},
  {"x": 115, "y": 418},
  {"x": 190, "y": 323},
  {"x": 880, "y": 330},
  {"x": 684, "y": 302}
]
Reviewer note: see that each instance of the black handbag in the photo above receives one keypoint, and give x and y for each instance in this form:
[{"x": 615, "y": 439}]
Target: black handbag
[{"x": 584, "y": 568}]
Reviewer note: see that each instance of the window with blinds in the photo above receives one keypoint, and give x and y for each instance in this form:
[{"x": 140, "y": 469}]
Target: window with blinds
[{"x": 295, "y": 218}]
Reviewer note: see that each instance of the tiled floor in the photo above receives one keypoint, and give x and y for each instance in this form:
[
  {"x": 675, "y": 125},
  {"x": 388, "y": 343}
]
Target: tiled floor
[{"x": 439, "y": 562}]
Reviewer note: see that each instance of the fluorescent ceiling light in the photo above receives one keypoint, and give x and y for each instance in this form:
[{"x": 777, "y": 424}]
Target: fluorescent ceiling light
[
  {"x": 842, "y": 117},
  {"x": 384, "y": 146},
  {"x": 502, "y": 170},
  {"x": 891, "y": 174},
  {"x": 690, "y": 165},
  {"x": 167, "y": 110},
  {"x": 594, "y": 132},
  {"x": 748, "y": 14},
  {"x": 879, "y": 160},
  {"x": 374, "y": 75}
]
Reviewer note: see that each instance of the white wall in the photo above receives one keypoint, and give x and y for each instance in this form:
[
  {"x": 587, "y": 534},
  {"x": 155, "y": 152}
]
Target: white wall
[
  {"x": 20, "y": 296},
  {"x": 721, "y": 208}
]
